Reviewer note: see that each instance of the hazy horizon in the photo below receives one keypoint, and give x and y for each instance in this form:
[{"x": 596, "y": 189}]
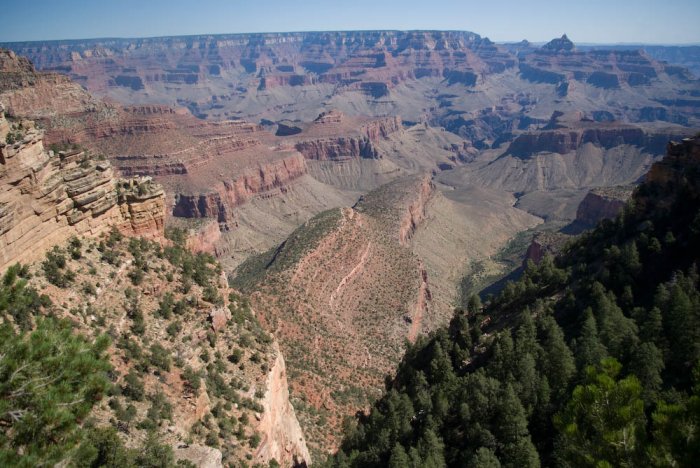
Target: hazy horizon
[
  {"x": 625, "y": 22},
  {"x": 578, "y": 43}
]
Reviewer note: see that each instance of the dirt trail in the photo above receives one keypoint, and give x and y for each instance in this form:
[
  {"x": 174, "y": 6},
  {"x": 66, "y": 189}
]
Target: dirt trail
[{"x": 355, "y": 271}]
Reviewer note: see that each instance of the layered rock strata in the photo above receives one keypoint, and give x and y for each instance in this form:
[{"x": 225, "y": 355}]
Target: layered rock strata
[
  {"x": 45, "y": 198},
  {"x": 226, "y": 195}
]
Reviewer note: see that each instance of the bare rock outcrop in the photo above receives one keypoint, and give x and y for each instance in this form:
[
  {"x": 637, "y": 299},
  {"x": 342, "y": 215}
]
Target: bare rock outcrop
[
  {"x": 544, "y": 243},
  {"x": 358, "y": 143},
  {"x": 200, "y": 455},
  {"x": 337, "y": 149},
  {"x": 204, "y": 238},
  {"x": 415, "y": 212},
  {"x": 219, "y": 203},
  {"x": 602, "y": 203},
  {"x": 45, "y": 198},
  {"x": 282, "y": 437},
  {"x": 681, "y": 157}
]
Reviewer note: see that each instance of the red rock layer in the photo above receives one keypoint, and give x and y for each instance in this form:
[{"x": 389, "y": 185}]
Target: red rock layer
[
  {"x": 225, "y": 196},
  {"x": 601, "y": 204},
  {"x": 415, "y": 212}
]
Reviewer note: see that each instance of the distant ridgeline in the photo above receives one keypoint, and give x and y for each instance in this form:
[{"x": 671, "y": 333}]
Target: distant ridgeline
[{"x": 590, "y": 359}]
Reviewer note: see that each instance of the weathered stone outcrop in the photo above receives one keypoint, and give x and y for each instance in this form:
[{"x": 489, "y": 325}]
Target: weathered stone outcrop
[
  {"x": 27, "y": 93},
  {"x": 286, "y": 79},
  {"x": 337, "y": 148},
  {"x": 381, "y": 128},
  {"x": 415, "y": 212},
  {"x": 681, "y": 158},
  {"x": 45, "y": 198},
  {"x": 225, "y": 196},
  {"x": 204, "y": 238},
  {"x": 200, "y": 455},
  {"x": 602, "y": 203},
  {"x": 566, "y": 140},
  {"x": 558, "y": 62},
  {"x": 282, "y": 437},
  {"x": 544, "y": 243}
]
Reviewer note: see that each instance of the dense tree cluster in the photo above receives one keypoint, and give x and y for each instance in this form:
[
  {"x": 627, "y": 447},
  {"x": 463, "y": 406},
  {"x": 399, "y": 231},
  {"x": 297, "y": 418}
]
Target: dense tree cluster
[{"x": 590, "y": 359}]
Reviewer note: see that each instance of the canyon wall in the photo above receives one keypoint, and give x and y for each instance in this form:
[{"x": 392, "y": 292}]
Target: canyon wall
[
  {"x": 336, "y": 148},
  {"x": 45, "y": 198},
  {"x": 227, "y": 195},
  {"x": 681, "y": 158},
  {"x": 564, "y": 141},
  {"x": 282, "y": 437},
  {"x": 415, "y": 212}
]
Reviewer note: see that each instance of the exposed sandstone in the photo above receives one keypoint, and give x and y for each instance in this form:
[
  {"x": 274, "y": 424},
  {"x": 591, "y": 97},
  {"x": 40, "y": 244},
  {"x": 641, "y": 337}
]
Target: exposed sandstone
[
  {"x": 225, "y": 196},
  {"x": 351, "y": 143},
  {"x": 282, "y": 437},
  {"x": 544, "y": 243},
  {"x": 204, "y": 238},
  {"x": 201, "y": 456},
  {"x": 45, "y": 198},
  {"x": 415, "y": 212},
  {"x": 565, "y": 133},
  {"x": 337, "y": 149},
  {"x": 684, "y": 154}
]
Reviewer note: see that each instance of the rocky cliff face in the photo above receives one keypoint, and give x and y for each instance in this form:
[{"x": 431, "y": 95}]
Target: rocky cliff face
[
  {"x": 27, "y": 93},
  {"x": 282, "y": 437},
  {"x": 45, "y": 198},
  {"x": 355, "y": 143},
  {"x": 602, "y": 203},
  {"x": 544, "y": 243},
  {"x": 415, "y": 213},
  {"x": 225, "y": 196},
  {"x": 337, "y": 149},
  {"x": 680, "y": 158},
  {"x": 566, "y": 140}
]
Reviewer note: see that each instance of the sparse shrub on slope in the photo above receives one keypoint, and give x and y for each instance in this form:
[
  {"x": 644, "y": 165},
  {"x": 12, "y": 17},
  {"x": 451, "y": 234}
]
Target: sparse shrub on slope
[{"x": 93, "y": 403}]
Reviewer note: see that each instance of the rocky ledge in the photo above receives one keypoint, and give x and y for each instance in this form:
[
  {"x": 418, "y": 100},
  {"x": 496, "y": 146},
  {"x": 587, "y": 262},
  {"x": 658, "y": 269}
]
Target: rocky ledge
[
  {"x": 602, "y": 203},
  {"x": 45, "y": 198}
]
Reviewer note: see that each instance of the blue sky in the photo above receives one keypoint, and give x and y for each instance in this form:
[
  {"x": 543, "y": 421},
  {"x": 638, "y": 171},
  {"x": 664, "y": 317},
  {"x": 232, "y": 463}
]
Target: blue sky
[{"x": 598, "y": 21}]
